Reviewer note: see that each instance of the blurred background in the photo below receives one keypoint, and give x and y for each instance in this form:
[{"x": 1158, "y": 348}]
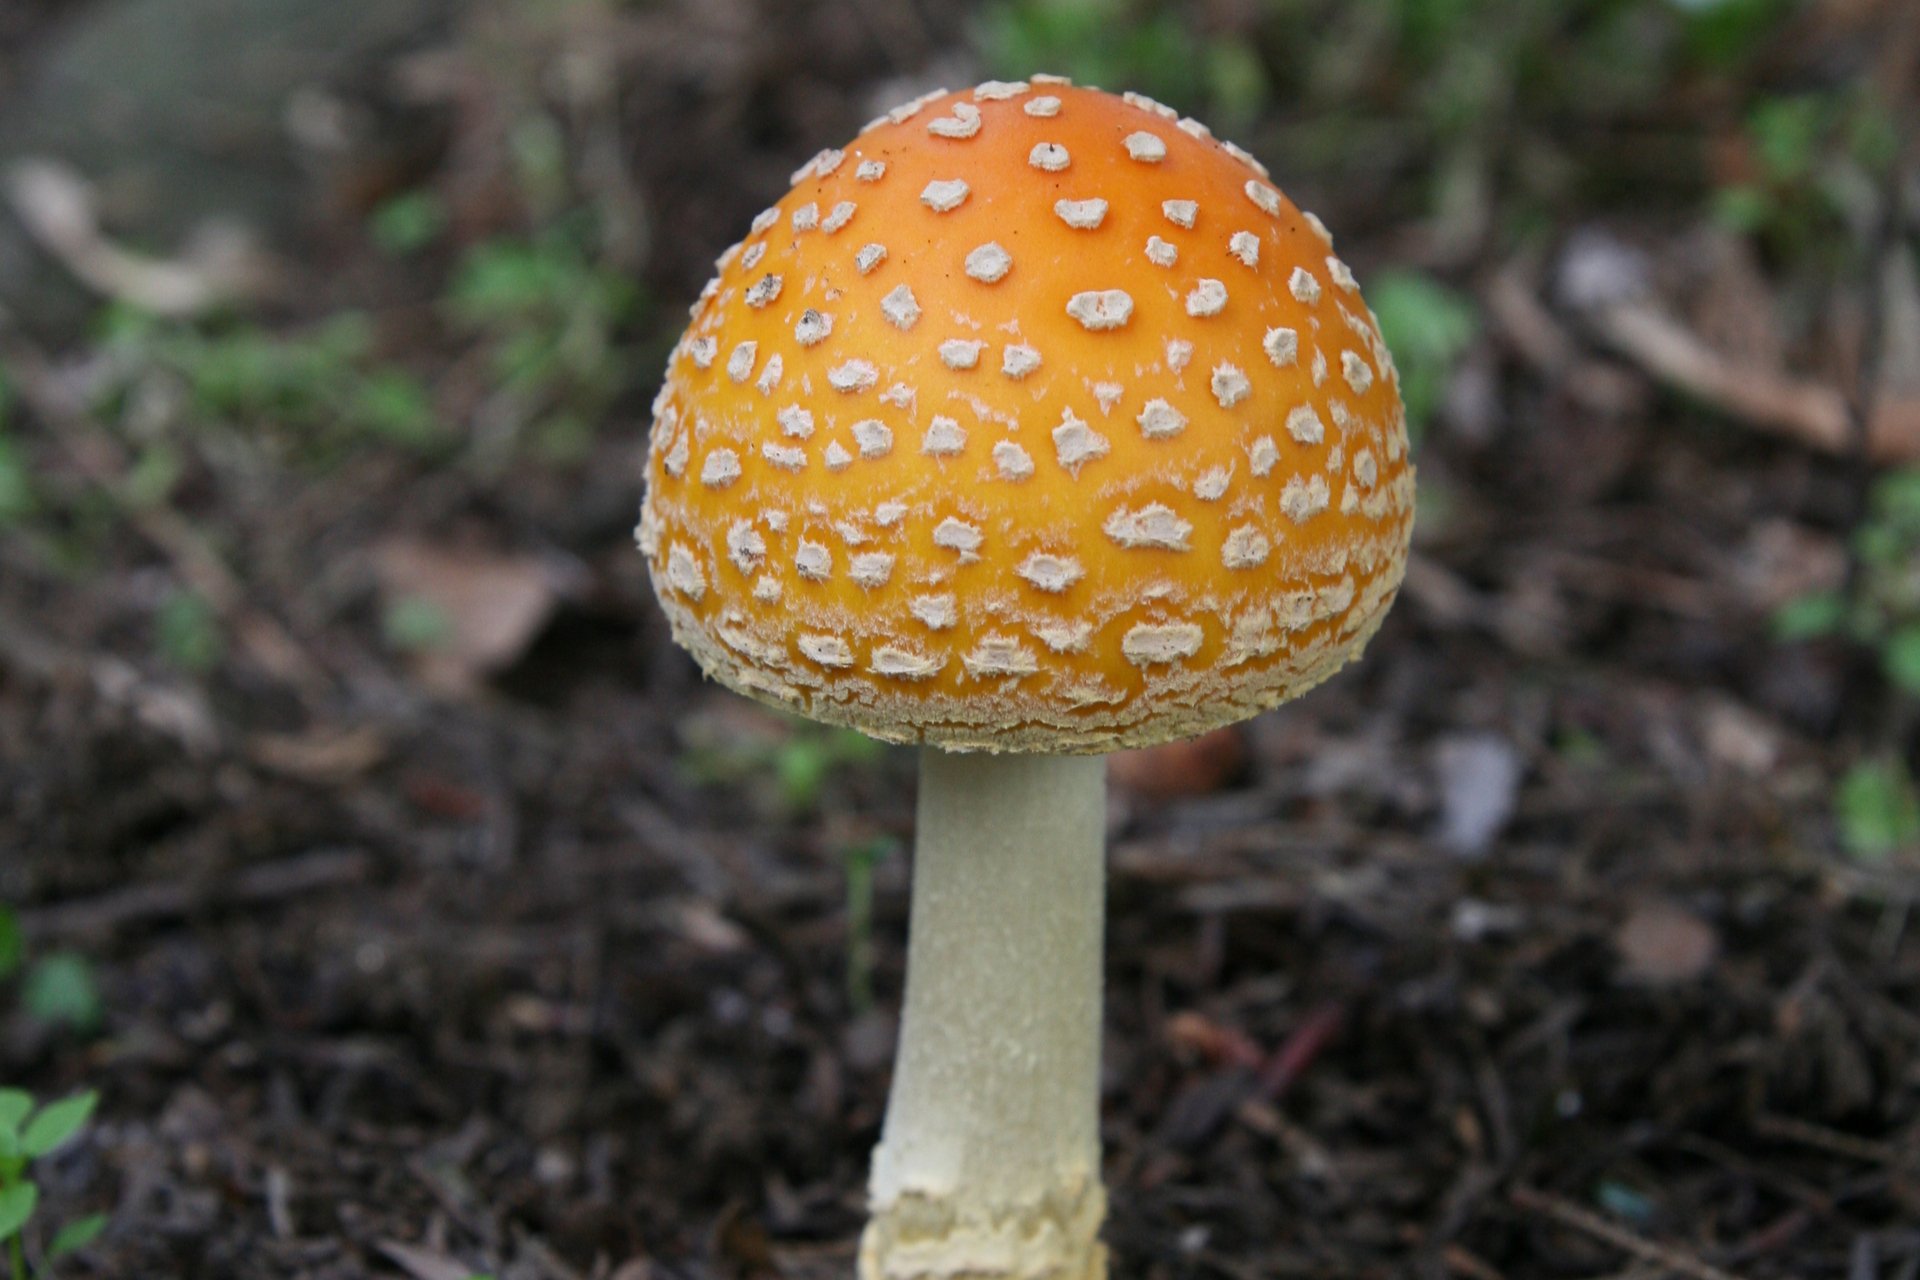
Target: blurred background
[{"x": 408, "y": 907}]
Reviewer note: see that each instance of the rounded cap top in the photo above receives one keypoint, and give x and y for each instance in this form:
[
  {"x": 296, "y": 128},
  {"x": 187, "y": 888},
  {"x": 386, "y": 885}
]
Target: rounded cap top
[{"x": 1035, "y": 419}]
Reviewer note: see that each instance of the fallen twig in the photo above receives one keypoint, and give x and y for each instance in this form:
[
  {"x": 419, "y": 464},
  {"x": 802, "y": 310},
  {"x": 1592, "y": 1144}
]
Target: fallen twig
[
  {"x": 1572, "y": 1215},
  {"x": 269, "y": 882}
]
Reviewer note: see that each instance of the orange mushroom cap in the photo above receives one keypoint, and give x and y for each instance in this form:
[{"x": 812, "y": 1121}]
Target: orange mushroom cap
[{"x": 1035, "y": 419}]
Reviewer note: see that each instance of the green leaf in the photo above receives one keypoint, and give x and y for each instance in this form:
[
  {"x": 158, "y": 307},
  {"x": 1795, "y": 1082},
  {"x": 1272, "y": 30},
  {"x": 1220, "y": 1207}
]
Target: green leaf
[
  {"x": 408, "y": 223},
  {"x": 15, "y": 1106},
  {"x": 1901, "y": 657},
  {"x": 76, "y": 1235},
  {"x": 13, "y": 942},
  {"x": 57, "y": 1123},
  {"x": 61, "y": 989},
  {"x": 1807, "y": 617},
  {"x": 188, "y": 633},
  {"x": 415, "y": 624},
  {"x": 17, "y": 1204},
  {"x": 1427, "y": 327},
  {"x": 16, "y": 489},
  {"x": 1877, "y": 808}
]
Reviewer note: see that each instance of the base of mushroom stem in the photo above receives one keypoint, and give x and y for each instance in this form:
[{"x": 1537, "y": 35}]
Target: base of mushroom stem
[{"x": 923, "y": 1237}]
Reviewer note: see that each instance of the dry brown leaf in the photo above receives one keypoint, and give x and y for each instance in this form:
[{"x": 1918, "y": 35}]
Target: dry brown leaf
[{"x": 494, "y": 605}]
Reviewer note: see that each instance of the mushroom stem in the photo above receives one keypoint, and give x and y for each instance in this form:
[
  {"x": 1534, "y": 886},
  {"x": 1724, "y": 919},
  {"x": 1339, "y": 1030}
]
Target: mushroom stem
[{"x": 989, "y": 1164}]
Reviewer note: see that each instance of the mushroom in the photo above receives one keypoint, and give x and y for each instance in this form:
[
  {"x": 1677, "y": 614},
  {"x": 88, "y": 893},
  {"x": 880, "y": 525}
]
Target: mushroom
[{"x": 1033, "y": 424}]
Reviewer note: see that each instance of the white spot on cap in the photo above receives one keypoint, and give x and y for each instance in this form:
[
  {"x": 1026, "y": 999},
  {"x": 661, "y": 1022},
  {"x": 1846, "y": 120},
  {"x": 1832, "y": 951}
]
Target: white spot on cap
[
  {"x": 806, "y": 217},
  {"x": 841, "y": 215},
  {"x": 1146, "y": 147},
  {"x": 1319, "y": 366},
  {"x": 813, "y": 560},
  {"x": 1304, "y": 425},
  {"x": 1180, "y": 213},
  {"x": 1082, "y": 215},
  {"x": 1193, "y": 128},
  {"x": 963, "y": 123},
  {"x": 676, "y": 460},
  {"x": 1212, "y": 484},
  {"x": 740, "y": 363},
  {"x": 853, "y": 376},
  {"x": 1358, "y": 373},
  {"x": 1282, "y": 346},
  {"x": 1065, "y": 637},
  {"x": 1159, "y": 420},
  {"x": 944, "y": 438},
  {"x": 1179, "y": 352},
  {"x": 787, "y": 457},
  {"x": 1012, "y": 461},
  {"x": 1245, "y": 246},
  {"x": 869, "y": 257},
  {"x": 889, "y": 514},
  {"x": 900, "y": 307},
  {"x": 943, "y": 196},
  {"x": 1365, "y": 470},
  {"x": 1342, "y": 275},
  {"x": 795, "y": 421},
  {"x": 908, "y": 110},
  {"x": 701, "y": 351},
  {"x": 1050, "y": 573},
  {"x": 745, "y": 547},
  {"x": 1264, "y": 196},
  {"x": 1230, "y": 385},
  {"x": 903, "y": 664},
  {"x": 1263, "y": 455},
  {"x": 764, "y": 219},
  {"x": 811, "y": 327},
  {"x": 838, "y": 459},
  {"x": 1044, "y": 107},
  {"x": 1244, "y": 156},
  {"x": 1018, "y": 360},
  {"x": 874, "y": 438},
  {"x": 999, "y": 656},
  {"x": 683, "y": 573},
  {"x": 957, "y": 535},
  {"x": 999, "y": 90},
  {"x": 871, "y": 569},
  {"x": 960, "y": 353},
  {"x": 1076, "y": 443},
  {"x": 1303, "y": 500},
  {"x": 1154, "y": 525},
  {"x": 1150, "y": 646},
  {"x": 751, "y": 258},
  {"x": 1303, "y": 286},
  {"x": 1245, "y": 548},
  {"x": 766, "y": 588},
  {"x": 720, "y": 469},
  {"x": 1108, "y": 395},
  {"x": 988, "y": 263},
  {"x": 769, "y": 379},
  {"x": 936, "y": 612},
  {"x": 1101, "y": 308},
  {"x": 1160, "y": 253},
  {"x": 1319, "y": 227},
  {"x": 828, "y": 651},
  {"x": 870, "y": 170},
  {"x": 1207, "y": 298},
  {"x": 1049, "y": 156}
]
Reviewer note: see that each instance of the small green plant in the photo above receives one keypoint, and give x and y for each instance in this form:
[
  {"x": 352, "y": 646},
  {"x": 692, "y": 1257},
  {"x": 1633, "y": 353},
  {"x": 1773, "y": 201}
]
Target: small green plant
[
  {"x": 1427, "y": 327},
  {"x": 860, "y": 860},
  {"x": 1883, "y": 613},
  {"x": 28, "y": 1132},
  {"x": 1878, "y": 808},
  {"x": 57, "y": 988}
]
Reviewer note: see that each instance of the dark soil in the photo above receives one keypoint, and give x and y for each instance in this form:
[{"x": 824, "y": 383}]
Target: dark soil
[{"x": 543, "y": 976}]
